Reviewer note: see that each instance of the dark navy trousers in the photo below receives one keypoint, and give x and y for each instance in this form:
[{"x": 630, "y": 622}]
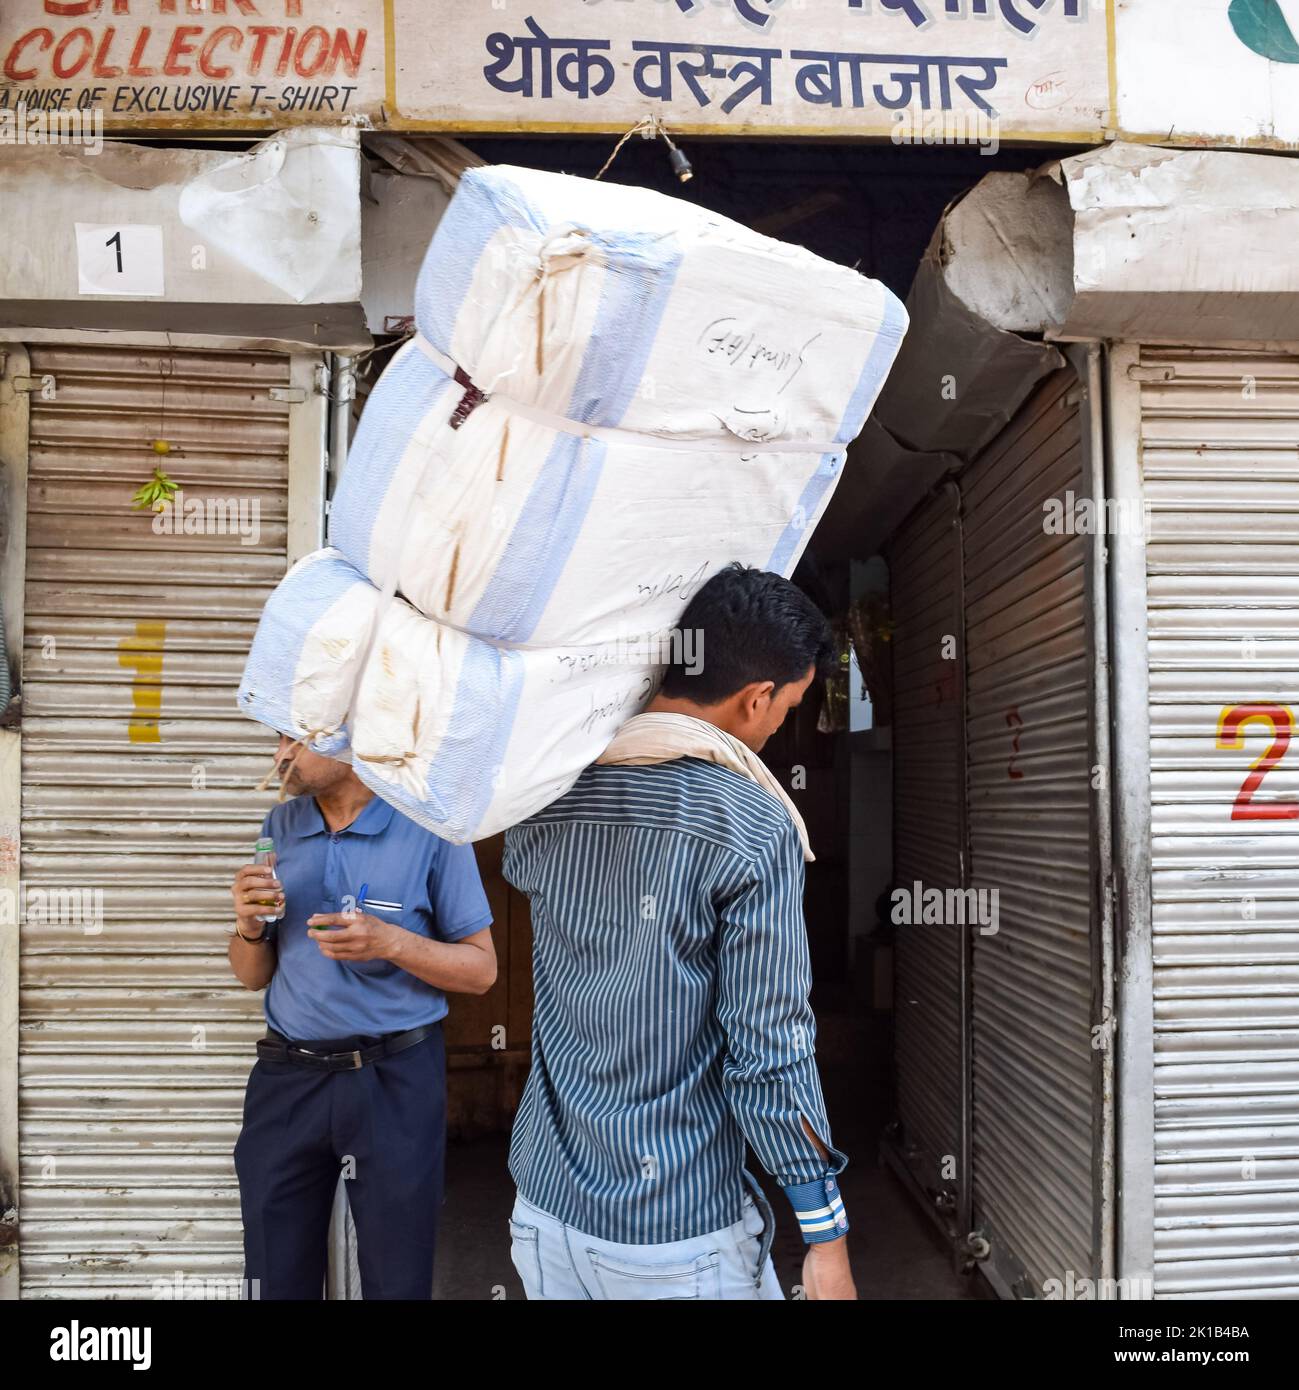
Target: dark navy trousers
[{"x": 383, "y": 1128}]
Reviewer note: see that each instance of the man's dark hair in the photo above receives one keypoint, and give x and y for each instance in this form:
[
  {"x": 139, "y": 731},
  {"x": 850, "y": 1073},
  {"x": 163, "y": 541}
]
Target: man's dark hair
[{"x": 755, "y": 626}]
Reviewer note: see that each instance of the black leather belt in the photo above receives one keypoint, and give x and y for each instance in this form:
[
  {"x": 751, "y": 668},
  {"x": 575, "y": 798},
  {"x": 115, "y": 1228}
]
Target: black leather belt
[{"x": 274, "y": 1048}]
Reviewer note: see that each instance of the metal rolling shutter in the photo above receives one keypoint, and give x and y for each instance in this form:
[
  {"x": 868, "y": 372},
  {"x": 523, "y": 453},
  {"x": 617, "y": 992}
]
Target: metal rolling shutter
[
  {"x": 927, "y": 771},
  {"x": 1036, "y": 1076},
  {"x": 135, "y": 1042},
  {"x": 1219, "y": 436}
]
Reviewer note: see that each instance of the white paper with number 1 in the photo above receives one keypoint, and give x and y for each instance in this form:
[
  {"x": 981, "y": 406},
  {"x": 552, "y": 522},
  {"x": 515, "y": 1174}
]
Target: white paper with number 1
[{"x": 119, "y": 258}]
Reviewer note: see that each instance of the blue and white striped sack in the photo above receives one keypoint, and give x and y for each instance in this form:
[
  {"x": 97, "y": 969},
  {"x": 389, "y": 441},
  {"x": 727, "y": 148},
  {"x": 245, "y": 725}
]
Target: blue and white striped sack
[
  {"x": 306, "y": 656},
  {"x": 464, "y": 736},
  {"x": 659, "y": 402}
]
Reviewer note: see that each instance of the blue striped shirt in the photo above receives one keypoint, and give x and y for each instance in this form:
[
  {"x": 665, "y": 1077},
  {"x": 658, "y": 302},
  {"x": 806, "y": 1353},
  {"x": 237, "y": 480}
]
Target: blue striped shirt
[{"x": 671, "y": 1020}]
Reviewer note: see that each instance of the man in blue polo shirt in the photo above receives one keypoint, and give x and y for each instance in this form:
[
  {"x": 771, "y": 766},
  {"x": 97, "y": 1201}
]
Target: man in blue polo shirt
[{"x": 375, "y": 919}]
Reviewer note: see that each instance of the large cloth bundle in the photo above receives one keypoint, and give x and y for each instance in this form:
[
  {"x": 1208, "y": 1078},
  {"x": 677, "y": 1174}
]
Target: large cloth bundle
[
  {"x": 611, "y": 395},
  {"x": 463, "y": 735}
]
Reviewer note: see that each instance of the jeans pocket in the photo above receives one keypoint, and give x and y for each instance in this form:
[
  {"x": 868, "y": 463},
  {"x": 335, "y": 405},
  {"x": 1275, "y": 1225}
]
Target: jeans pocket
[
  {"x": 753, "y": 1220},
  {"x": 631, "y": 1280},
  {"x": 526, "y": 1255}
]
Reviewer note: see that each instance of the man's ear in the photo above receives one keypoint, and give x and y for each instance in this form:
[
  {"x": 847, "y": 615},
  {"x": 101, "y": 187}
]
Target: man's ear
[{"x": 753, "y": 696}]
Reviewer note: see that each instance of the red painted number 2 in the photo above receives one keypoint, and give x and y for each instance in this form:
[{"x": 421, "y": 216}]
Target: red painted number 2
[{"x": 1231, "y": 723}]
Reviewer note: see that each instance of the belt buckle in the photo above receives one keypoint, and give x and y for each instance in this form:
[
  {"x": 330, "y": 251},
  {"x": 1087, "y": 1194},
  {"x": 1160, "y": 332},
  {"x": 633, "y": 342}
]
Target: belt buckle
[
  {"x": 355, "y": 1058},
  {"x": 357, "y": 1062}
]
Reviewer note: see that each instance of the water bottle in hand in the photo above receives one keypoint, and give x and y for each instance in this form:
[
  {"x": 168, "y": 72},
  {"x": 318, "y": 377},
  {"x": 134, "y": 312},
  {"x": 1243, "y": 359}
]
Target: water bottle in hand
[{"x": 265, "y": 854}]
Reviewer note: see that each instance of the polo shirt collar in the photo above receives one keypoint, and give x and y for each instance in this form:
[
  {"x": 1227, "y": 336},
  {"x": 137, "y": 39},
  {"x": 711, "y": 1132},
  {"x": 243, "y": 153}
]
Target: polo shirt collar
[{"x": 373, "y": 820}]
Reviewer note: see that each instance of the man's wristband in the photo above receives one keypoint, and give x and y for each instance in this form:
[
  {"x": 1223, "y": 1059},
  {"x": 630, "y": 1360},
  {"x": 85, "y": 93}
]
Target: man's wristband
[
  {"x": 253, "y": 940},
  {"x": 819, "y": 1209}
]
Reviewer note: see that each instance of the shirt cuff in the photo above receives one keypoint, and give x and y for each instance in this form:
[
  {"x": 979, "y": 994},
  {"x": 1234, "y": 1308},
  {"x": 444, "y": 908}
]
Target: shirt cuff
[{"x": 819, "y": 1209}]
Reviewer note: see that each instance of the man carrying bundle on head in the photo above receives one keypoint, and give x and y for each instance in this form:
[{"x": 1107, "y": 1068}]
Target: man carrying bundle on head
[{"x": 671, "y": 976}]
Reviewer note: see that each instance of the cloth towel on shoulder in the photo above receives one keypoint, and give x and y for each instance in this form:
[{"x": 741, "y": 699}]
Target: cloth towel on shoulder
[{"x": 659, "y": 738}]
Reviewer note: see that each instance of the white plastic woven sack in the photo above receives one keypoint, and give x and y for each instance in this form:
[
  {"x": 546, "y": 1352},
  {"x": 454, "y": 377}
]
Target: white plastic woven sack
[
  {"x": 735, "y": 368},
  {"x": 306, "y": 655},
  {"x": 612, "y": 395},
  {"x": 464, "y": 736}
]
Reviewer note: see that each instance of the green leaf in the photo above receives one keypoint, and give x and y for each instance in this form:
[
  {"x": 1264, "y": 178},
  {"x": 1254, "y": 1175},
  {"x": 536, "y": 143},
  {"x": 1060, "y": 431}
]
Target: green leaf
[
  {"x": 159, "y": 488},
  {"x": 1261, "y": 25}
]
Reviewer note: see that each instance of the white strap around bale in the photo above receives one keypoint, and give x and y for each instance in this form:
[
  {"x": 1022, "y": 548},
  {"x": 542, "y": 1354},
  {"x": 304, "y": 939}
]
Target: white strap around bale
[{"x": 616, "y": 434}]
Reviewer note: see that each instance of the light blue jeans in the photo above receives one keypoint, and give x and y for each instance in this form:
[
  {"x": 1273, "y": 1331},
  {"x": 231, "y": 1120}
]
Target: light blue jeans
[{"x": 560, "y": 1262}]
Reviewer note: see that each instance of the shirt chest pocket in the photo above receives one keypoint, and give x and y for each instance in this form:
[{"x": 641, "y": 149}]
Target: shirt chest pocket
[{"x": 386, "y": 908}]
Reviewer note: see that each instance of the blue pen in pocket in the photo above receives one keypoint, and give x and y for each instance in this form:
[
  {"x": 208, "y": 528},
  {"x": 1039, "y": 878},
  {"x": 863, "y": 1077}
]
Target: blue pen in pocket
[{"x": 360, "y": 898}]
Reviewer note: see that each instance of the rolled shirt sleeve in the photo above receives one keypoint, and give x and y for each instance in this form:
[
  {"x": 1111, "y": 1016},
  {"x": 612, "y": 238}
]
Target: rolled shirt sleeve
[{"x": 769, "y": 1074}]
